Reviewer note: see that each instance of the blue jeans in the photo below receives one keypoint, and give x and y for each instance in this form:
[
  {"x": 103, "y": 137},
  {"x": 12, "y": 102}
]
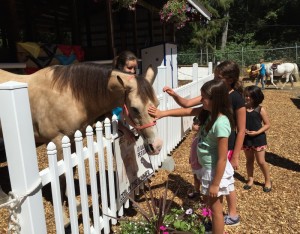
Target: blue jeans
[{"x": 261, "y": 79}]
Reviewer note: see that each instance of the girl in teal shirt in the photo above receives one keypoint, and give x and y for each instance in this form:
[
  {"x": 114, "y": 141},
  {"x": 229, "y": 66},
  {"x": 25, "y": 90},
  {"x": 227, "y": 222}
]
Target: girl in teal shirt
[{"x": 216, "y": 122}]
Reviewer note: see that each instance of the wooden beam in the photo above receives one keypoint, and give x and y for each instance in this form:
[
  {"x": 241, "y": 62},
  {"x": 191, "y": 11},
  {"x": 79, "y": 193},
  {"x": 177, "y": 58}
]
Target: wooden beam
[
  {"x": 150, "y": 26},
  {"x": 135, "y": 34},
  {"x": 11, "y": 27},
  {"x": 147, "y": 6},
  {"x": 75, "y": 23},
  {"x": 87, "y": 24},
  {"x": 110, "y": 30}
]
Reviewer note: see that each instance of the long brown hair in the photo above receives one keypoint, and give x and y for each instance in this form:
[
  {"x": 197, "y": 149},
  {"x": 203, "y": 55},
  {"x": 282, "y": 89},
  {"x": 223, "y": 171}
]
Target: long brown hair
[
  {"x": 230, "y": 70},
  {"x": 217, "y": 92},
  {"x": 121, "y": 60}
]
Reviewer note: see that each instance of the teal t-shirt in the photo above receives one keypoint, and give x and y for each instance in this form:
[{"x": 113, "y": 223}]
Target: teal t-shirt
[
  {"x": 117, "y": 111},
  {"x": 207, "y": 149}
]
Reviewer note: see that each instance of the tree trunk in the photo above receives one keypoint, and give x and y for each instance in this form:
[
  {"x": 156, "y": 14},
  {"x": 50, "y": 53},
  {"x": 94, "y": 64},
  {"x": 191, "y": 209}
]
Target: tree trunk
[{"x": 225, "y": 32}]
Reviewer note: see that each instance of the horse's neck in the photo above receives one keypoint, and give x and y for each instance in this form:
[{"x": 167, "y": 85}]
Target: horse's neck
[{"x": 105, "y": 105}]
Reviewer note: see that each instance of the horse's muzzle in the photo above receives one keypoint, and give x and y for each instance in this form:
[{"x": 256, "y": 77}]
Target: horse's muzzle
[{"x": 153, "y": 149}]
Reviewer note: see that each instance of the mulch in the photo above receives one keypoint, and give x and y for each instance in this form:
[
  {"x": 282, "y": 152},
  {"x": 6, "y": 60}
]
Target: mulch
[{"x": 274, "y": 212}]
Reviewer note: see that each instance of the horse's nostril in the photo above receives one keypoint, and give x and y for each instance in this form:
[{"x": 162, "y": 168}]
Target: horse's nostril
[{"x": 151, "y": 147}]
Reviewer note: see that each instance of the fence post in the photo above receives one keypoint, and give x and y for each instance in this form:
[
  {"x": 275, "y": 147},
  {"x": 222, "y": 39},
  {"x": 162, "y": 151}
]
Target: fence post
[
  {"x": 161, "y": 78},
  {"x": 21, "y": 156},
  {"x": 210, "y": 68},
  {"x": 195, "y": 71}
]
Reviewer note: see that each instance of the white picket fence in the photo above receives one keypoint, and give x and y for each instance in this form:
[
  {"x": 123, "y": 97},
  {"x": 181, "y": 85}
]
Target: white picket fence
[{"x": 26, "y": 206}]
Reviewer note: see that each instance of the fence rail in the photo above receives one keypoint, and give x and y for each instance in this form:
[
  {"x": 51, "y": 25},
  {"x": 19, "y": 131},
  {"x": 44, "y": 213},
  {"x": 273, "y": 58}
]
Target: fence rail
[
  {"x": 23, "y": 168},
  {"x": 243, "y": 56}
]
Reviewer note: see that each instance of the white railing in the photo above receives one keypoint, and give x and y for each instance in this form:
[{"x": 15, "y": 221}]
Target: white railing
[{"x": 26, "y": 180}]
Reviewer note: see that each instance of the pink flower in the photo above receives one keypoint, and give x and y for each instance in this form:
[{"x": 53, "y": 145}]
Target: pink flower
[
  {"x": 206, "y": 212},
  {"x": 163, "y": 228}
]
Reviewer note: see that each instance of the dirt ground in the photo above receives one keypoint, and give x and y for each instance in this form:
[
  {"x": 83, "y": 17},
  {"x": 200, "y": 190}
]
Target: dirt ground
[{"x": 274, "y": 212}]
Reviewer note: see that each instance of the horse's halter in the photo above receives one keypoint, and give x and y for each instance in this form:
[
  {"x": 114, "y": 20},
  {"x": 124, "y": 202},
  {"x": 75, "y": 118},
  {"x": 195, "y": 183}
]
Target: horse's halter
[{"x": 126, "y": 112}]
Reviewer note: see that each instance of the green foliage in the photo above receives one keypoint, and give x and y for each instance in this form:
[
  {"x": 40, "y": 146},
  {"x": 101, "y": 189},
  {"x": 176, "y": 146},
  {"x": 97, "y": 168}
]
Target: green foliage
[
  {"x": 186, "y": 221},
  {"x": 130, "y": 227},
  {"x": 234, "y": 50},
  {"x": 188, "y": 57}
]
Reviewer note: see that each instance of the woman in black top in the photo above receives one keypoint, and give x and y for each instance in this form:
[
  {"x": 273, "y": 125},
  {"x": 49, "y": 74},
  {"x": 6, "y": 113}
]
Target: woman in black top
[{"x": 255, "y": 142}]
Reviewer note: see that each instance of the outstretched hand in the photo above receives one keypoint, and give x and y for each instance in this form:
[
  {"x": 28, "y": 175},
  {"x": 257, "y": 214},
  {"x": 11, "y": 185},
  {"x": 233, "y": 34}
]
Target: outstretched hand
[
  {"x": 154, "y": 112},
  {"x": 169, "y": 91}
]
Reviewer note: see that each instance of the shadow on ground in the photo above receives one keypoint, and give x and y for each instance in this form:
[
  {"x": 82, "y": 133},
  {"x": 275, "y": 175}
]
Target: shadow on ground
[
  {"x": 296, "y": 102},
  {"x": 278, "y": 161}
]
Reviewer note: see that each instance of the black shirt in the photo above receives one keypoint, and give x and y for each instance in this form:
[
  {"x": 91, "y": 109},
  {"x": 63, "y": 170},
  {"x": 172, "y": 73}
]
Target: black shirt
[
  {"x": 254, "y": 123},
  {"x": 237, "y": 102}
]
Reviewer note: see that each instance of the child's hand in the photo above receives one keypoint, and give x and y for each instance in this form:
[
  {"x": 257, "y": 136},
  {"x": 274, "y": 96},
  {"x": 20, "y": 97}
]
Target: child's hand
[
  {"x": 213, "y": 190},
  {"x": 154, "y": 112},
  {"x": 235, "y": 162},
  {"x": 169, "y": 91},
  {"x": 251, "y": 133}
]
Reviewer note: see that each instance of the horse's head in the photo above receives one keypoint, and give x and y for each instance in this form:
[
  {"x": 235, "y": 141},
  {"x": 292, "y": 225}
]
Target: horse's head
[{"x": 139, "y": 95}]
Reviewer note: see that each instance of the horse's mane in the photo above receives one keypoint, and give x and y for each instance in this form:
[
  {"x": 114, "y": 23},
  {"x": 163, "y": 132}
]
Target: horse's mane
[
  {"x": 89, "y": 80},
  {"x": 86, "y": 80}
]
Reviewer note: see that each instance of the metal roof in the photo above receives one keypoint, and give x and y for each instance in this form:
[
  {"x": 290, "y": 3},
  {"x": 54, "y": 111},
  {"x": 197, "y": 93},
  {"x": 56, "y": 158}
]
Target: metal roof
[{"x": 199, "y": 7}]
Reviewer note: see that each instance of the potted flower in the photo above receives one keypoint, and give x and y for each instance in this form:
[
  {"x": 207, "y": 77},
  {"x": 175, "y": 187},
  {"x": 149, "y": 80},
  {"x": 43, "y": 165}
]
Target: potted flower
[
  {"x": 162, "y": 219},
  {"x": 177, "y": 220},
  {"x": 178, "y": 12}
]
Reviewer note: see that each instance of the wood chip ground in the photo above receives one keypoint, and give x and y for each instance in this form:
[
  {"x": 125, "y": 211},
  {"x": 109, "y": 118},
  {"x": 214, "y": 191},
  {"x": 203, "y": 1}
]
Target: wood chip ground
[{"x": 274, "y": 212}]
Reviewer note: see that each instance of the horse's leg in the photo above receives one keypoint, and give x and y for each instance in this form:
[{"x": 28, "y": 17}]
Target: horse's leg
[
  {"x": 292, "y": 81},
  {"x": 287, "y": 77},
  {"x": 272, "y": 80}
]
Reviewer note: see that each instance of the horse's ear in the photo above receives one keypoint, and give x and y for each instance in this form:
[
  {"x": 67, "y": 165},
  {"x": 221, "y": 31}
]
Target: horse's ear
[
  {"x": 150, "y": 74},
  {"x": 120, "y": 80}
]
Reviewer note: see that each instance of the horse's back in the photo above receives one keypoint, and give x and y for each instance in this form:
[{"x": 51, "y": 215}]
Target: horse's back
[
  {"x": 6, "y": 76},
  {"x": 287, "y": 67}
]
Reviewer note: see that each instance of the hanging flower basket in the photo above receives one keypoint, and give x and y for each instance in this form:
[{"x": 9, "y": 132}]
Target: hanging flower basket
[{"x": 178, "y": 12}]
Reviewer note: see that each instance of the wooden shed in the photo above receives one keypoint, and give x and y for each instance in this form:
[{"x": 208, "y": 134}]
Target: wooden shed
[{"x": 99, "y": 27}]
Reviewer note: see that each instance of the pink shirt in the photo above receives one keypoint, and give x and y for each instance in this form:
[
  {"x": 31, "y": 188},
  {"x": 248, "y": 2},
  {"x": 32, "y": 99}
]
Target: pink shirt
[{"x": 193, "y": 155}]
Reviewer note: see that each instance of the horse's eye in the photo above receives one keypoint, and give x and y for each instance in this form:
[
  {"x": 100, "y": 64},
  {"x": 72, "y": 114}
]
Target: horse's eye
[{"x": 135, "y": 110}]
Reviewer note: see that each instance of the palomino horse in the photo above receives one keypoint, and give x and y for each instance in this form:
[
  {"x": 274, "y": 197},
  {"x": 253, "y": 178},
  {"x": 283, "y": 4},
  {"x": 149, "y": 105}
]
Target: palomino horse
[
  {"x": 64, "y": 99},
  {"x": 287, "y": 70}
]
